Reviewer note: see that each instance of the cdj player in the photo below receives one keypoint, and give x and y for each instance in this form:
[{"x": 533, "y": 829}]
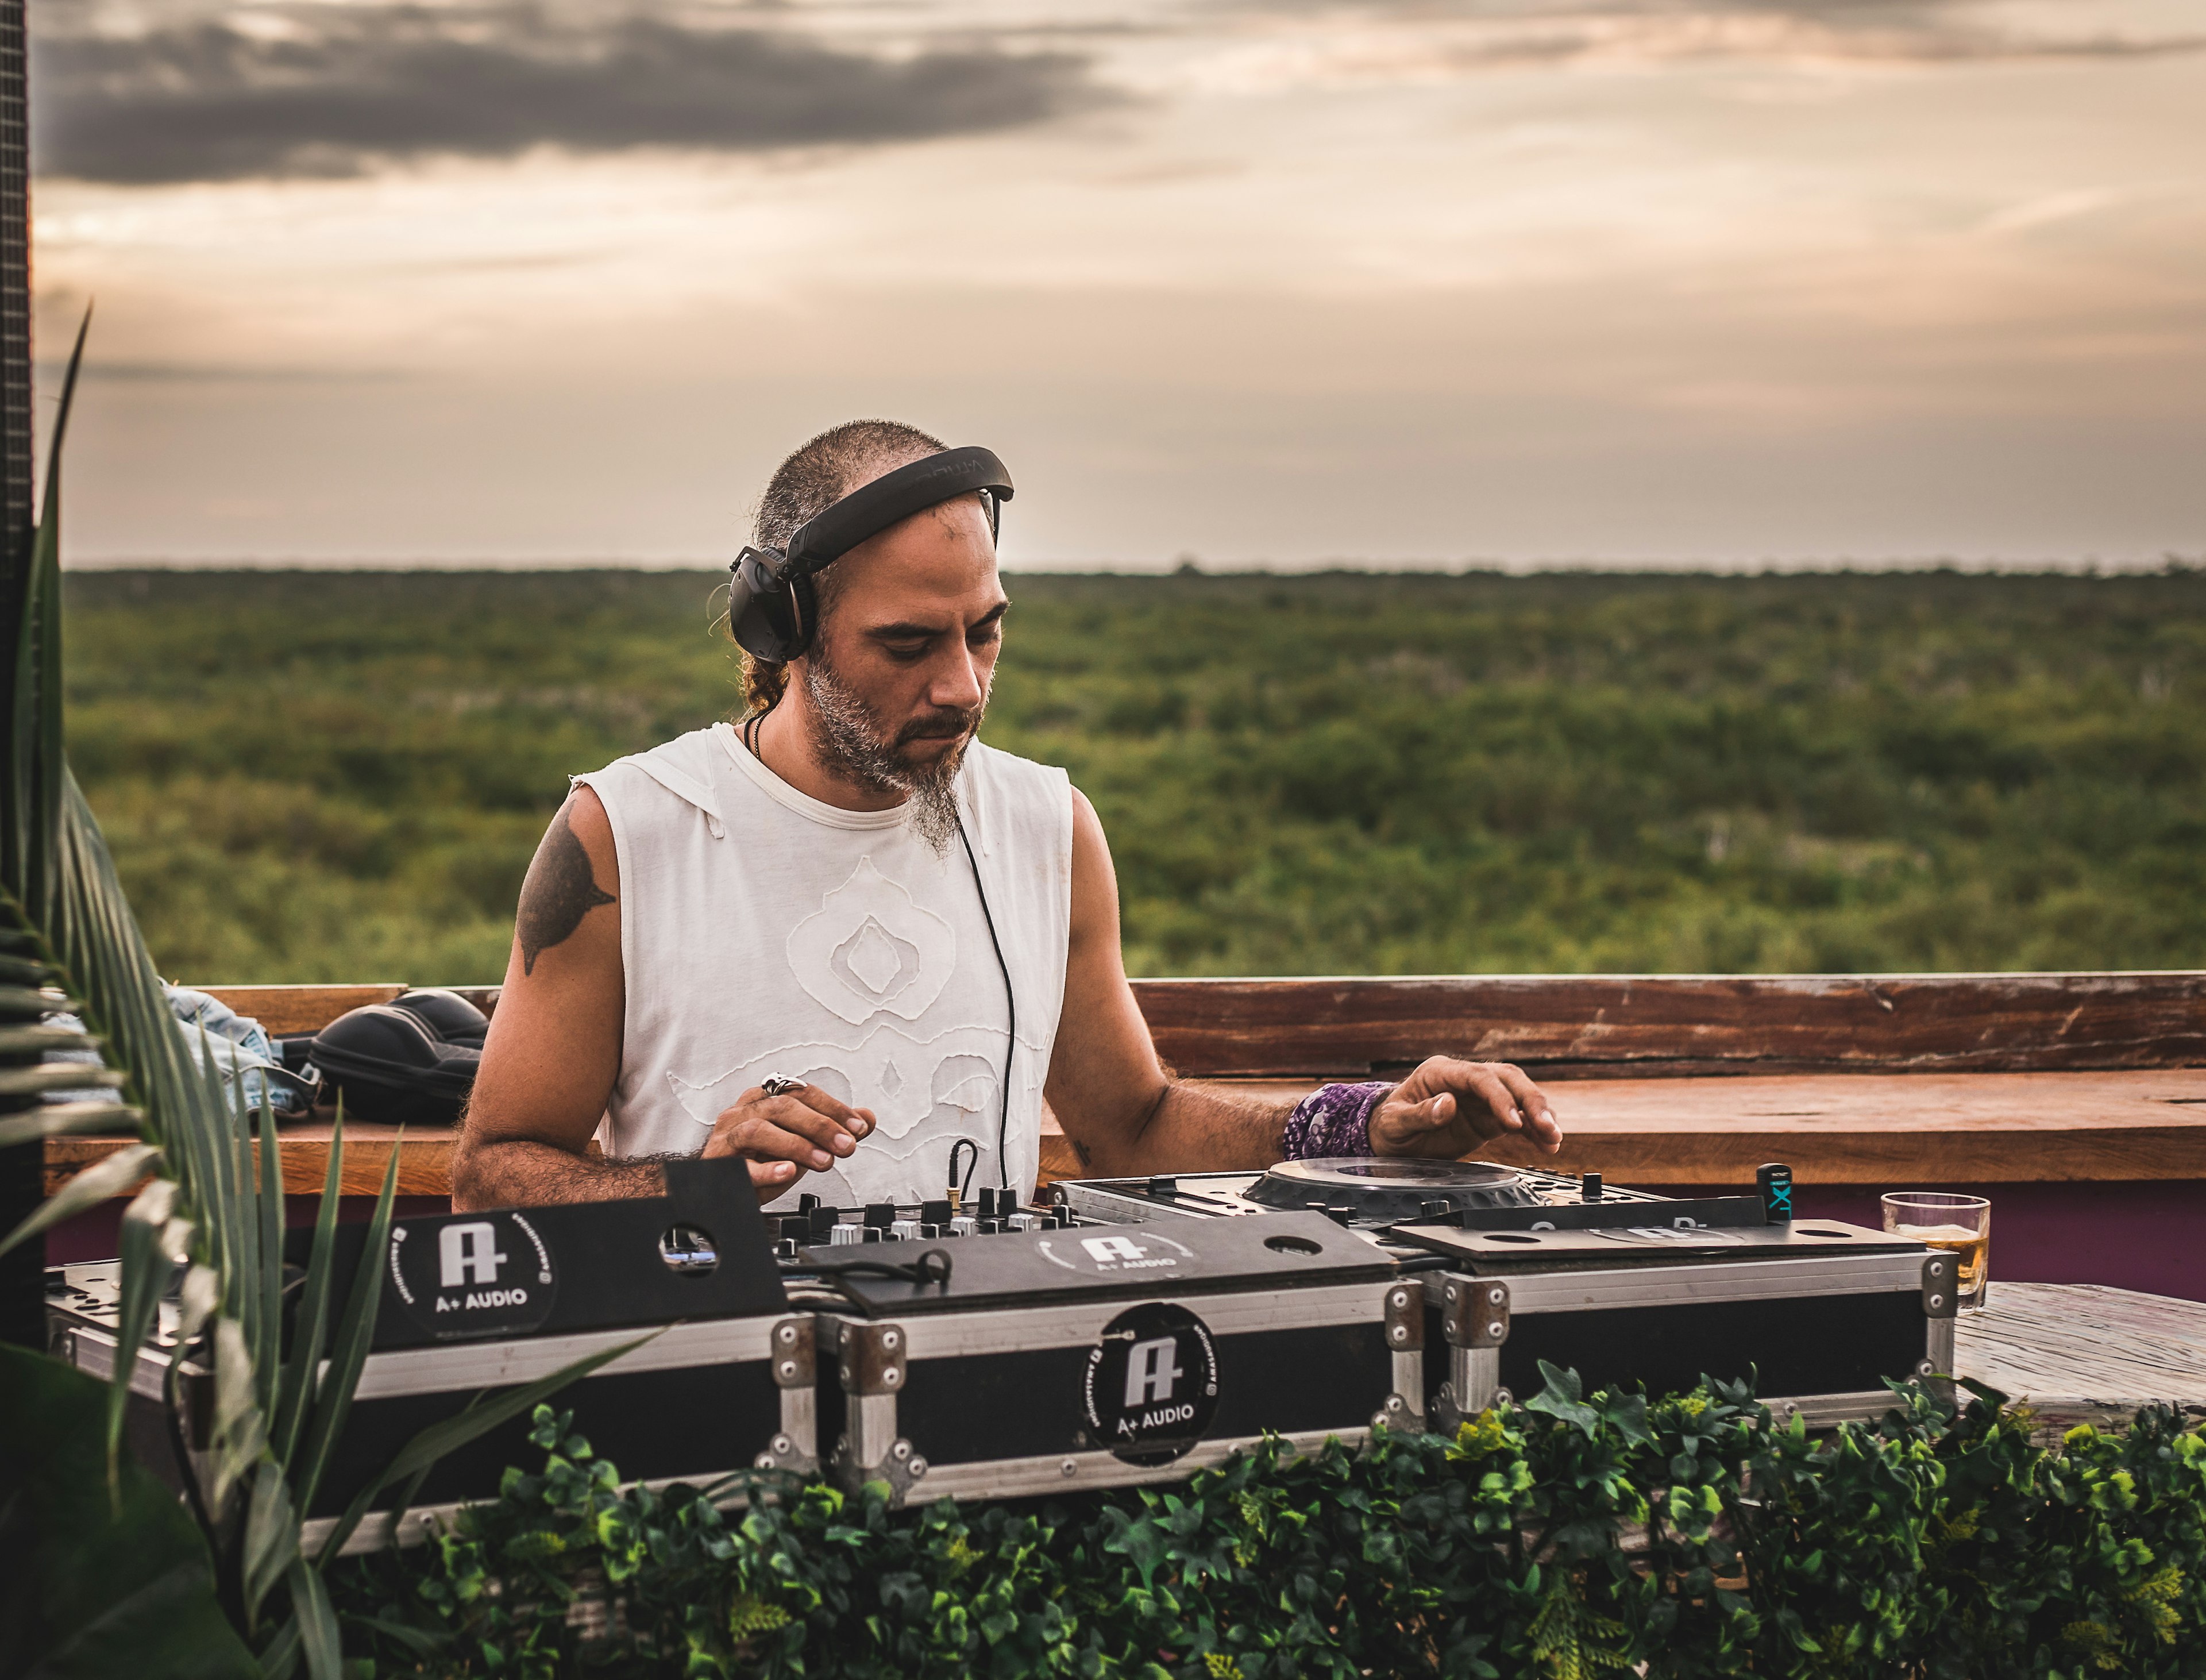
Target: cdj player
[
  {"x": 1376, "y": 1194},
  {"x": 1520, "y": 1266}
]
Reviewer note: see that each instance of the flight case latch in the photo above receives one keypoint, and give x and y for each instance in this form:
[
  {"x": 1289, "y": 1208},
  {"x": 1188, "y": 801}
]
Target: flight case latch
[
  {"x": 1474, "y": 1319},
  {"x": 872, "y": 1370},
  {"x": 1405, "y": 1407},
  {"x": 1941, "y": 1300},
  {"x": 792, "y": 1350}
]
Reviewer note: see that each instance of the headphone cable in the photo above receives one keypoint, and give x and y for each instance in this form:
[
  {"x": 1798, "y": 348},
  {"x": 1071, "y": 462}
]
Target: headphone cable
[
  {"x": 1010, "y": 1001},
  {"x": 1010, "y": 1011}
]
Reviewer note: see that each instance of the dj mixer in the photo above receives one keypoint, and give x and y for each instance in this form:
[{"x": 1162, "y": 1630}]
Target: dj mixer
[{"x": 1122, "y": 1331}]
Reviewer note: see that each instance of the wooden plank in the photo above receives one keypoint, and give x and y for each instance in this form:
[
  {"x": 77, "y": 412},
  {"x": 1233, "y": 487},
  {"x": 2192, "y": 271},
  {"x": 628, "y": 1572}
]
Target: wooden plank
[
  {"x": 2119, "y": 1127},
  {"x": 308, "y": 1009},
  {"x": 1838, "y": 1128},
  {"x": 2081, "y": 1353},
  {"x": 301, "y": 1008},
  {"x": 425, "y": 1158},
  {"x": 1596, "y": 1025},
  {"x": 1842, "y": 1129},
  {"x": 1573, "y": 1026}
]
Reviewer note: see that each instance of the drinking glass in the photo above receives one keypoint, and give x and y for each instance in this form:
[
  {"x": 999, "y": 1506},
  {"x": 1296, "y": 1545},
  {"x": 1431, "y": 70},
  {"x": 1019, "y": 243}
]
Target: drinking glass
[{"x": 1960, "y": 1224}]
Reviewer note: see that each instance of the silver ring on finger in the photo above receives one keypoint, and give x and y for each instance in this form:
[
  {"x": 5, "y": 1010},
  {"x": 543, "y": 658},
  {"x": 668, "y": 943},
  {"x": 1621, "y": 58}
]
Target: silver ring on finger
[{"x": 780, "y": 1085}]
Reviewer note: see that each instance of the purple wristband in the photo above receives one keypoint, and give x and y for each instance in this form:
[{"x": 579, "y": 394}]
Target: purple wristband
[{"x": 1333, "y": 1120}]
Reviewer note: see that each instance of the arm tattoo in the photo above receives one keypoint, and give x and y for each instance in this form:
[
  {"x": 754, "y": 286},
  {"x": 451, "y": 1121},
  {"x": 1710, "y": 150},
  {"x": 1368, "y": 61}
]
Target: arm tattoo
[{"x": 559, "y": 892}]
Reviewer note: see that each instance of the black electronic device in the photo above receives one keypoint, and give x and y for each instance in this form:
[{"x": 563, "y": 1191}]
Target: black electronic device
[
  {"x": 699, "y": 1251},
  {"x": 1099, "y": 1356},
  {"x": 815, "y": 1225},
  {"x": 1518, "y": 1265},
  {"x": 1049, "y": 1266},
  {"x": 410, "y": 1062},
  {"x": 773, "y": 603},
  {"x": 1374, "y": 1194},
  {"x": 721, "y": 1377}
]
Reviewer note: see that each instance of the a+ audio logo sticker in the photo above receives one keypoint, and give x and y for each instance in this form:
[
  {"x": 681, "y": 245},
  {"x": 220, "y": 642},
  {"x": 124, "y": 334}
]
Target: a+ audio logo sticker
[
  {"x": 1151, "y": 1383},
  {"x": 483, "y": 1274},
  {"x": 1121, "y": 1253}
]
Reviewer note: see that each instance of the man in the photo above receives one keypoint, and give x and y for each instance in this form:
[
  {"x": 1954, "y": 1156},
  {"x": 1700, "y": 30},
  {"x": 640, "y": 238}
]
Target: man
[{"x": 852, "y": 946}]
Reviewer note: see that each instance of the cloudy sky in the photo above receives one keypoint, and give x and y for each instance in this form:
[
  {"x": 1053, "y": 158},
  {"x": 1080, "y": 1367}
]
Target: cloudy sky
[{"x": 1283, "y": 281}]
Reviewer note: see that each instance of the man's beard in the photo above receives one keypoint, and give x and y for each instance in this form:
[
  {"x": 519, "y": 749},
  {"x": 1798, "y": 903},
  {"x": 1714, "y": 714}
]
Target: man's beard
[{"x": 848, "y": 738}]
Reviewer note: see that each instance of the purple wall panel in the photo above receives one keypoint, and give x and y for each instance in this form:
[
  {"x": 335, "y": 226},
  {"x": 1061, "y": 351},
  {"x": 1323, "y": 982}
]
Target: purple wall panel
[
  {"x": 2149, "y": 1236},
  {"x": 91, "y": 1235}
]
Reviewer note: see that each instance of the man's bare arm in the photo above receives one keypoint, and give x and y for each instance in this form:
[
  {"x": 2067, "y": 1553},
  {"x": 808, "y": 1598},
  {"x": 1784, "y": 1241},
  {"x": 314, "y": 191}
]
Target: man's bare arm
[
  {"x": 1122, "y": 1110},
  {"x": 554, "y": 1051},
  {"x": 1125, "y": 1115}
]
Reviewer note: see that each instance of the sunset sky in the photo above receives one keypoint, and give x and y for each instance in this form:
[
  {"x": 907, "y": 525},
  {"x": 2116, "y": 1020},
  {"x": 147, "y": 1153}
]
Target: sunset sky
[{"x": 1516, "y": 280}]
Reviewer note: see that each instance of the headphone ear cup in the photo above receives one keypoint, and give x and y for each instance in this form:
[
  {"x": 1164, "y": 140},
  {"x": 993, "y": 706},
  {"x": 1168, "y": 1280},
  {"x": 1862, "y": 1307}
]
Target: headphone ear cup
[{"x": 775, "y": 623}]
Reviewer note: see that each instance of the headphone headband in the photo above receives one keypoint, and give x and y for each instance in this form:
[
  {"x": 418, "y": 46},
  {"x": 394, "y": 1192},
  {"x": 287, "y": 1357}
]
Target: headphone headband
[
  {"x": 871, "y": 508},
  {"x": 770, "y": 605}
]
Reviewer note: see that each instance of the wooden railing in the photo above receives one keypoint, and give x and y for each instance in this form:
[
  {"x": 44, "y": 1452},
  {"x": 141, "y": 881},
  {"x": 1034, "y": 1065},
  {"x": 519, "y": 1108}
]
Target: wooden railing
[
  {"x": 1666, "y": 1080},
  {"x": 1606, "y": 1026}
]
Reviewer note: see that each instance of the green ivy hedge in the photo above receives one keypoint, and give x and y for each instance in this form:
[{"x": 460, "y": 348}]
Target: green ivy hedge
[{"x": 1571, "y": 1536}]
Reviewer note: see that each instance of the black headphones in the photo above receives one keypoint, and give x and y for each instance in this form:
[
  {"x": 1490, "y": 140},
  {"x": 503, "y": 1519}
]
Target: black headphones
[{"x": 772, "y": 605}]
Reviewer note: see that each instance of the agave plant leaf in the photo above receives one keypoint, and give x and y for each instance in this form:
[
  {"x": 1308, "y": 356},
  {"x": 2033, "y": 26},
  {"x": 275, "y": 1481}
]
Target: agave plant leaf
[
  {"x": 279, "y": 1656},
  {"x": 98, "y": 1182},
  {"x": 318, "y": 1622},
  {"x": 268, "y": 1358},
  {"x": 233, "y": 1176},
  {"x": 56, "y": 871},
  {"x": 67, "y": 1120},
  {"x": 20, "y": 1003},
  {"x": 240, "y": 1431},
  {"x": 196, "y": 1301},
  {"x": 34, "y": 754},
  {"x": 66, "y": 1076},
  {"x": 479, "y": 1417},
  {"x": 348, "y": 1349},
  {"x": 271, "y": 1535},
  {"x": 145, "y": 1266},
  {"x": 310, "y": 1325}
]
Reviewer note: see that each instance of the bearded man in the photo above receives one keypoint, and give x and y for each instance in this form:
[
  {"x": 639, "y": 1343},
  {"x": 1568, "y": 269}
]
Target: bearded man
[{"x": 846, "y": 941}]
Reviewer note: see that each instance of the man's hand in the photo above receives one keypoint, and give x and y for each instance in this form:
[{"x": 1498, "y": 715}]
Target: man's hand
[
  {"x": 800, "y": 1131},
  {"x": 1447, "y": 1108}
]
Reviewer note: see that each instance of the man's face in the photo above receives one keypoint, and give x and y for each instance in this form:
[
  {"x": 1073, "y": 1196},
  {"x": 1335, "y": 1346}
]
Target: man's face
[{"x": 908, "y": 648}]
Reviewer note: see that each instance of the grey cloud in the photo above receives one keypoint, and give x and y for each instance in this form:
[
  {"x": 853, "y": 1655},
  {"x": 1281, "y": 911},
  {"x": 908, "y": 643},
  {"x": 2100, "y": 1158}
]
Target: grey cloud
[
  {"x": 1927, "y": 32},
  {"x": 337, "y": 91}
]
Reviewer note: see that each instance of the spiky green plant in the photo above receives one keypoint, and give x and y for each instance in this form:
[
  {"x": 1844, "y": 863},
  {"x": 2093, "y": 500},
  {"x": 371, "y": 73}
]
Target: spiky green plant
[{"x": 213, "y": 1202}]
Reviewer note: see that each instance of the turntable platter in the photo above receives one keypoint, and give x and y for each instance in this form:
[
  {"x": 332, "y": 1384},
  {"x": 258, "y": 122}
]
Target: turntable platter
[{"x": 1384, "y": 1189}]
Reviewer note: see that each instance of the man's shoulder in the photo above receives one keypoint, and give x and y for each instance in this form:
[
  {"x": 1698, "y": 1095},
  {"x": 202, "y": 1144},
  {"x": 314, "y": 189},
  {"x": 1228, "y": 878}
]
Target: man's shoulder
[
  {"x": 992, "y": 765},
  {"x": 693, "y": 752},
  {"x": 681, "y": 769},
  {"x": 1005, "y": 794}
]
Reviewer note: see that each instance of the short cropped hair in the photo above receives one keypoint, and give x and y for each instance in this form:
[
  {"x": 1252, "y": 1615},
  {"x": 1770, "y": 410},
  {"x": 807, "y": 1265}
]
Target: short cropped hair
[{"x": 817, "y": 475}]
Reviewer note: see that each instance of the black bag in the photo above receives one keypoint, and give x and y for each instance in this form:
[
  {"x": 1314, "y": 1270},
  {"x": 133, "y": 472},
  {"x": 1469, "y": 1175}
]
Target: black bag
[{"x": 409, "y": 1062}]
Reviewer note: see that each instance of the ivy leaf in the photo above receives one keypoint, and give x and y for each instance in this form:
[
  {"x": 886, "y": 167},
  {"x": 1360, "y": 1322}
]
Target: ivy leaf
[{"x": 1559, "y": 1398}]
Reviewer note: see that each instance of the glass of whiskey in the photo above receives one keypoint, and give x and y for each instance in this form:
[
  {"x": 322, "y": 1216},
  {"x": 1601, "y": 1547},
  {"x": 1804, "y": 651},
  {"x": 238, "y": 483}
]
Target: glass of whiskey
[{"x": 1962, "y": 1225}]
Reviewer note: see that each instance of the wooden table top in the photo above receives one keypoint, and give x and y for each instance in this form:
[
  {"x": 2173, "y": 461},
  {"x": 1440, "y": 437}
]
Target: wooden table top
[
  {"x": 2122, "y": 1126},
  {"x": 2079, "y": 1353}
]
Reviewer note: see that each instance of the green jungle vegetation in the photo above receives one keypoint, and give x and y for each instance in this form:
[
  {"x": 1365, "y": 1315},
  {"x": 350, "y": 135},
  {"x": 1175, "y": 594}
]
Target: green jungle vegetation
[{"x": 318, "y": 775}]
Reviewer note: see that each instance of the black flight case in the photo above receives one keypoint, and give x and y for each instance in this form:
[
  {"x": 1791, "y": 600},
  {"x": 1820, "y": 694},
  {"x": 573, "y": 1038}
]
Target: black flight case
[{"x": 492, "y": 1301}]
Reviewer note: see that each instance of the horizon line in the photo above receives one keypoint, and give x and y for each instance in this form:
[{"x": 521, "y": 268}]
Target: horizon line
[{"x": 1184, "y": 565}]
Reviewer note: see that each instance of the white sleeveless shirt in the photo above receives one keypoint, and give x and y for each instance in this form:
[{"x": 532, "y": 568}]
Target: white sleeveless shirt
[{"x": 765, "y": 933}]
